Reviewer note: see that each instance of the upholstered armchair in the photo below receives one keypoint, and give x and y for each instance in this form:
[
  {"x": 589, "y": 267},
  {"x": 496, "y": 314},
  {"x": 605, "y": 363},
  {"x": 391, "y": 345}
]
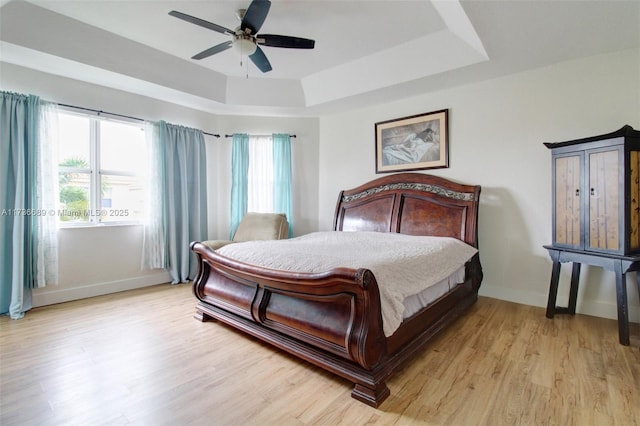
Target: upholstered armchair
[{"x": 256, "y": 226}]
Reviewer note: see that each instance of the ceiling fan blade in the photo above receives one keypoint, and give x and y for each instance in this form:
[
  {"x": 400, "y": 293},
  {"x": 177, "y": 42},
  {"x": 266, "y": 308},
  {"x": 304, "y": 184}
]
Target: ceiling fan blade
[
  {"x": 260, "y": 59},
  {"x": 255, "y": 15},
  {"x": 213, "y": 50},
  {"x": 274, "y": 40},
  {"x": 201, "y": 22}
]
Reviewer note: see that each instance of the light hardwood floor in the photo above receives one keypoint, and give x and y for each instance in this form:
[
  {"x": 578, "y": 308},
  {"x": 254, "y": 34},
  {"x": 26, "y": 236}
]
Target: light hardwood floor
[{"x": 140, "y": 358}]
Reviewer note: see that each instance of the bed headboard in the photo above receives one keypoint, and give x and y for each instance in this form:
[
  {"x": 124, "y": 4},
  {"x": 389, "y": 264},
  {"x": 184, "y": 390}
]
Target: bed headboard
[{"x": 411, "y": 203}]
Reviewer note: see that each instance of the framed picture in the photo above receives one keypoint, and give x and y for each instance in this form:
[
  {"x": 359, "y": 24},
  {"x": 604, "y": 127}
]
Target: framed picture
[{"x": 413, "y": 143}]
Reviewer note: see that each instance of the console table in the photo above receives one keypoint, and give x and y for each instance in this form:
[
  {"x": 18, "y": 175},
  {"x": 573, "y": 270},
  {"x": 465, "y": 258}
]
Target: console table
[{"x": 620, "y": 265}]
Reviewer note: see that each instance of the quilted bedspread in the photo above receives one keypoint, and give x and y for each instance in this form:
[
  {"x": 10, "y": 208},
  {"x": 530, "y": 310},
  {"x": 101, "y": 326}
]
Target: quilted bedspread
[{"x": 403, "y": 265}]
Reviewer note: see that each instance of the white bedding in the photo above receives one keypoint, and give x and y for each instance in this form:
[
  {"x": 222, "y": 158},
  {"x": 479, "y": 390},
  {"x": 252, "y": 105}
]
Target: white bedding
[
  {"x": 404, "y": 265},
  {"x": 415, "y": 302}
]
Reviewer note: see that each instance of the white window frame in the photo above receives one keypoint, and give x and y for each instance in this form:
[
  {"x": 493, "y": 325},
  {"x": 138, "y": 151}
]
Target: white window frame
[{"x": 96, "y": 172}]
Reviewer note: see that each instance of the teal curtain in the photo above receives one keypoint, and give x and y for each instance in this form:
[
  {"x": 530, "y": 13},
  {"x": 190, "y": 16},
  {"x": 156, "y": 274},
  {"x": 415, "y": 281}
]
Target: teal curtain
[
  {"x": 282, "y": 177},
  {"x": 183, "y": 155},
  {"x": 239, "y": 179},
  {"x": 23, "y": 213}
]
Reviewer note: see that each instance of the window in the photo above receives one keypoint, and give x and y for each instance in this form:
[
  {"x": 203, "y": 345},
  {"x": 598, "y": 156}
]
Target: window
[
  {"x": 260, "y": 175},
  {"x": 101, "y": 169}
]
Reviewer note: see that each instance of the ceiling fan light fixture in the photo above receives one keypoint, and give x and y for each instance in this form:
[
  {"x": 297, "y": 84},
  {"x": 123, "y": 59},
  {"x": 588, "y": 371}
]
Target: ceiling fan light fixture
[{"x": 245, "y": 45}]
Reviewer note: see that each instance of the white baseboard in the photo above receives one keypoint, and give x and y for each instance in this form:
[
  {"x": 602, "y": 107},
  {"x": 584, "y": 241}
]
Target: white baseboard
[
  {"x": 596, "y": 308},
  {"x": 51, "y": 295}
]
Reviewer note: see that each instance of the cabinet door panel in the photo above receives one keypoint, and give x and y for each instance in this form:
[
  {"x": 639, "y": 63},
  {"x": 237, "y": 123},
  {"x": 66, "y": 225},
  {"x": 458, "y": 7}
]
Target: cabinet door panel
[
  {"x": 604, "y": 199},
  {"x": 634, "y": 226},
  {"x": 567, "y": 202}
]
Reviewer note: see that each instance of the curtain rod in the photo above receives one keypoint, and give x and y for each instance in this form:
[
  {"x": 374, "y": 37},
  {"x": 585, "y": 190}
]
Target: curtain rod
[
  {"x": 121, "y": 115},
  {"x": 229, "y": 136}
]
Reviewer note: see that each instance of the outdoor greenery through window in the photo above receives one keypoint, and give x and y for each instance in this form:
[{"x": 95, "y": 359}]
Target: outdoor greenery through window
[{"x": 101, "y": 169}]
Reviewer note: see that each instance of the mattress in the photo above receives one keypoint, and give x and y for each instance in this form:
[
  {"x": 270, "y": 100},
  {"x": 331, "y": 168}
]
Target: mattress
[{"x": 416, "y": 302}]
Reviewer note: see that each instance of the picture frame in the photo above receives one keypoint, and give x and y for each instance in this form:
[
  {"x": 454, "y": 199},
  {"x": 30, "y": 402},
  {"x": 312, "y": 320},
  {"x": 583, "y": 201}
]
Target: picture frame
[{"x": 415, "y": 142}]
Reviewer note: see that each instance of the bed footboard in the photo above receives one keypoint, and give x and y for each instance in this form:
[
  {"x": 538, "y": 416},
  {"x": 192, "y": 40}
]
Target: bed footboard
[{"x": 331, "y": 319}]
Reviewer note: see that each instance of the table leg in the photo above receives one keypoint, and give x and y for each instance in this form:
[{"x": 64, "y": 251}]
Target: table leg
[
  {"x": 623, "y": 310},
  {"x": 573, "y": 292},
  {"x": 553, "y": 288}
]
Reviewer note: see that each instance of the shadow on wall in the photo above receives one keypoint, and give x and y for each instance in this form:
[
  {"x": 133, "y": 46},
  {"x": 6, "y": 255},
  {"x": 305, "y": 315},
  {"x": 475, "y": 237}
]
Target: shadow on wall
[
  {"x": 597, "y": 295},
  {"x": 511, "y": 269}
]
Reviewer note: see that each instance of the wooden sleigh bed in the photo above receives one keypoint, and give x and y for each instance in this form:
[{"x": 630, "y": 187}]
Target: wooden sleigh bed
[{"x": 333, "y": 319}]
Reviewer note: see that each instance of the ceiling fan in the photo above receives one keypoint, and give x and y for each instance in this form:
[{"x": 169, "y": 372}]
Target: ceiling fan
[{"x": 245, "y": 38}]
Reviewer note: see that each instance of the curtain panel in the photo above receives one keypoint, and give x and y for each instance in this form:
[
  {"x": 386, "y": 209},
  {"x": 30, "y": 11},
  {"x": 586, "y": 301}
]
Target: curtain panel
[
  {"x": 28, "y": 237},
  {"x": 178, "y": 191},
  {"x": 239, "y": 179},
  {"x": 185, "y": 209},
  {"x": 282, "y": 177},
  {"x": 47, "y": 196},
  {"x": 154, "y": 250}
]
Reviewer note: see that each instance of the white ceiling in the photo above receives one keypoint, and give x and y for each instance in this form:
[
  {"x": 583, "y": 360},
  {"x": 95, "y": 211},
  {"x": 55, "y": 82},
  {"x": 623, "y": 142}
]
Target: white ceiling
[{"x": 366, "y": 51}]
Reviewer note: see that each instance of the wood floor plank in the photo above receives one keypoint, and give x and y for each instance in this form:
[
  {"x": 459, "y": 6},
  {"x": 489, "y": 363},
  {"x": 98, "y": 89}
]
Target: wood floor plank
[{"x": 139, "y": 358}]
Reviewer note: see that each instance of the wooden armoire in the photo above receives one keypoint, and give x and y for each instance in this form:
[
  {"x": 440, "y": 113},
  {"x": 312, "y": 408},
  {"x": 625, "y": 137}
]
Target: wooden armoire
[
  {"x": 596, "y": 214},
  {"x": 596, "y": 193}
]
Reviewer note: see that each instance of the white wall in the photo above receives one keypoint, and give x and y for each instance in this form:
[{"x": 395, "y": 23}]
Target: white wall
[
  {"x": 100, "y": 260},
  {"x": 497, "y": 129}
]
